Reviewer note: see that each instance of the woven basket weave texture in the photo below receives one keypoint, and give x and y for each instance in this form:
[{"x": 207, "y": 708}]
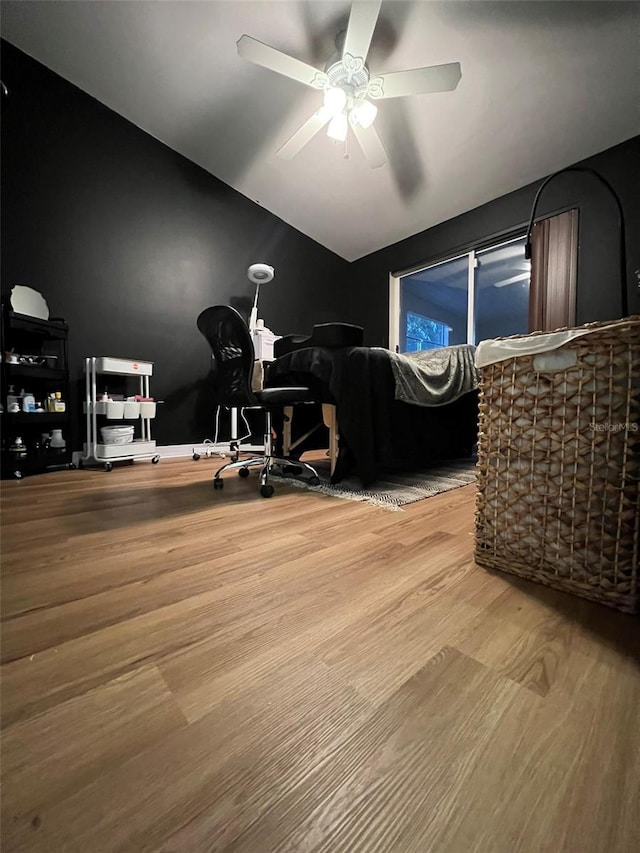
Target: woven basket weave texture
[{"x": 559, "y": 466}]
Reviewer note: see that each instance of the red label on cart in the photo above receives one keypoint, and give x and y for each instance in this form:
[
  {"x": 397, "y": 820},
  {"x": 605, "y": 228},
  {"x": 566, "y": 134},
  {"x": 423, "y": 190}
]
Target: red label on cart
[{"x": 135, "y": 366}]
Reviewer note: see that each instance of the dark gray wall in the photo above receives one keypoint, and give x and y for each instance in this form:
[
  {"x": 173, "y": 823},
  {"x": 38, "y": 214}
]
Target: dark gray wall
[
  {"x": 598, "y": 288},
  {"x": 129, "y": 241}
]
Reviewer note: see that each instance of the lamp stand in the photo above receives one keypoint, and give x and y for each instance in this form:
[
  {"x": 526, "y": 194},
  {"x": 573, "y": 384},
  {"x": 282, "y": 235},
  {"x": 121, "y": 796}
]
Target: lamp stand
[{"x": 253, "y": 317}]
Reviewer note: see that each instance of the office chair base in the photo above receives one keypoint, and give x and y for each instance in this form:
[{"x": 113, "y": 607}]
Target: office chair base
[{"x": 266, "y": 463}]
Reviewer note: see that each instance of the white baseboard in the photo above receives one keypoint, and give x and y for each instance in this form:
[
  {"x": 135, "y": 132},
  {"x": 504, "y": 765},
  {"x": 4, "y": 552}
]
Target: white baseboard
[
  {"x": 222, "y": 449},
  {"x": 177, "y": 451}
]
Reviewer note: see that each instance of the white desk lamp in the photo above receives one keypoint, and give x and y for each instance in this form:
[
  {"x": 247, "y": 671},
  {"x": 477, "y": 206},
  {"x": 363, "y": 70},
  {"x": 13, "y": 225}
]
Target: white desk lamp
[{"x": 258, "y": 274}]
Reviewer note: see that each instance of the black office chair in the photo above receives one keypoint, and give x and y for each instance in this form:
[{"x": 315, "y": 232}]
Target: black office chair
[{"x": 233, "y": 358}]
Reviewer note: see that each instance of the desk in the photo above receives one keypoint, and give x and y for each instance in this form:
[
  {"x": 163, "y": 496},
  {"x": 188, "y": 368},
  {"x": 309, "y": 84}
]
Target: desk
[{"x": 376, "y": 430}]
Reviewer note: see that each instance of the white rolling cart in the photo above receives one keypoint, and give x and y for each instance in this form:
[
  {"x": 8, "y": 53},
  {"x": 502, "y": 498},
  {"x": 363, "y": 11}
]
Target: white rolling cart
[{"x": 95, "y": 450}]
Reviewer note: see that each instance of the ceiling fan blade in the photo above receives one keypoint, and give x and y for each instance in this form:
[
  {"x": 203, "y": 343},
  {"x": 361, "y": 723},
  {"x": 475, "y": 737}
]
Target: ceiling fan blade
[
  {"x": 304, "y": 134},
  {"x": 513, "y": 279},
  {"x": 371, "y": 145},
  {"x": 262, "y": 54},
  {"x": 362, "y": 22},
  {"x": 417, "y": 81}
]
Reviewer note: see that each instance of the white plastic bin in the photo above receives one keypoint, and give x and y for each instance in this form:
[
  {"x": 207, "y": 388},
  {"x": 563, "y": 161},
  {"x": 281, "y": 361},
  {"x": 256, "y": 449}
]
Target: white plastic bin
[
  {"x": 116, "y": 434},
  {"x": 131, "y": 410},
  {"x": 124, "y": 366},
  {"x": 147, "y": 410},
  {"x": 115, "y": 410}
]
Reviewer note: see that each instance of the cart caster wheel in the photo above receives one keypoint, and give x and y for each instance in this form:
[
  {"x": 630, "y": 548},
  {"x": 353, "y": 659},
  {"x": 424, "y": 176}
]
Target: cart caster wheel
[
  {"x": 218, "y": 483},
  {"x": 155, "y": 460},
  {"x": 195, "y": 457},
  {"x": 243, "y": 472},
  {"x": 17, "y": 475},
  {"x": 80, "y": 464},
  {"x": 314, "y": 481},
  {"x": 108, "y": 466},
  {"x": 72, "y": 466},
  {"x": 266, "y": 491}
]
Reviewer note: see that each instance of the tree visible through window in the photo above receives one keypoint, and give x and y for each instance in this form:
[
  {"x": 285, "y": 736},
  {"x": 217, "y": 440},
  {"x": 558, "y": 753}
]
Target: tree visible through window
[{"x": 425, "y": 333}]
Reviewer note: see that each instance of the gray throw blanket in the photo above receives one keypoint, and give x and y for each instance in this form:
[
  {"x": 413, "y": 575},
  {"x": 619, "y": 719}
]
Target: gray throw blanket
[{"x": 434, "y": 377}]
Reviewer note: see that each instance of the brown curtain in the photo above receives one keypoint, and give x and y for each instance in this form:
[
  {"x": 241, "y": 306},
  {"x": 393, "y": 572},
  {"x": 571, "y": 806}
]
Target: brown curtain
[{"x": 554, "y": 257}]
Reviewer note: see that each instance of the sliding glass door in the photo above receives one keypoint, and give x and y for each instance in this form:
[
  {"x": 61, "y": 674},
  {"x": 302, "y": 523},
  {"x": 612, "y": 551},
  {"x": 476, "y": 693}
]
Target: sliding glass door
[
  {"x": 465, "y": 299},
  {"x": 433, "y": 306},
  {"x": 501, "y": 298}
]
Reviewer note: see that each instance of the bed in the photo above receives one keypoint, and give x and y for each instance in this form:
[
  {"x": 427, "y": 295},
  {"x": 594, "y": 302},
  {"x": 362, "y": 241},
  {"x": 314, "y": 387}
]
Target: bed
[{"x": 398, "y": 412}]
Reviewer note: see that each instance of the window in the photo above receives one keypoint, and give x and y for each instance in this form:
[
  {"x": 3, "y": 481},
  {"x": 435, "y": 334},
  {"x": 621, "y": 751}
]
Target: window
[
  {"x": 425, "y": 333},
  {"x": 489, "y": 293},
  {"x": 501, "y": 298},
  {"x": 466, "y": 299}
]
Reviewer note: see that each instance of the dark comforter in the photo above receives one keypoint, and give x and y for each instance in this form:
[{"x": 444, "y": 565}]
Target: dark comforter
[{"x": 377, "y": 431}]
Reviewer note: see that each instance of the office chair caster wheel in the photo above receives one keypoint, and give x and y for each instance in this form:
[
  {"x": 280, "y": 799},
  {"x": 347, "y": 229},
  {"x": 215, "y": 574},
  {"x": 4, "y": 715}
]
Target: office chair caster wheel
[
  {"x": 314, "y": 481},
  {"x": 218, "y": 483},
  {"x": 17, "y": 475},
  {"x": 195, "y": 457},
  {"x": 72, "y": 466},
  {"x": 108, "y": 466},
  {"x": 243, "y": 472},
  {"x": 266, "y": 491},
  {"x": 155, "y": 460}
]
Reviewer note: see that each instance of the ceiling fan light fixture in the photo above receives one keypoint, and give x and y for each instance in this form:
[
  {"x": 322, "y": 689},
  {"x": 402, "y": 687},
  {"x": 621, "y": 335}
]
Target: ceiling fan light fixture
[
  {"x": 347, "y": 84},
  {"x": 363, "y": 114},
  {"x": 338, "y": 128},
  {"x": 335, "y": 100}
]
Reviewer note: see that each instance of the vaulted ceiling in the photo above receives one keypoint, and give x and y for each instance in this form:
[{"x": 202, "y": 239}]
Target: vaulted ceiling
[{"x": 544, "y": 84}]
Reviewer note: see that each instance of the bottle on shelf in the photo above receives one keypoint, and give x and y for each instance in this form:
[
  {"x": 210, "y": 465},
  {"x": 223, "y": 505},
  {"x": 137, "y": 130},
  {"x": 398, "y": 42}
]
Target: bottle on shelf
[
  {"x": 59, "y": 404},
  {"x": 17, "y": 449},
  {"x": 28, "y": 402},
  {"x": 13, "y": 400},
  {"x": 57, "y": 441}
]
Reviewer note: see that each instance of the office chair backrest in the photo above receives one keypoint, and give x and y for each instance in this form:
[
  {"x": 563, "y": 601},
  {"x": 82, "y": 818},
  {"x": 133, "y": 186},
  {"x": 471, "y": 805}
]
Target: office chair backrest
[{"x": 233, "y": 355}]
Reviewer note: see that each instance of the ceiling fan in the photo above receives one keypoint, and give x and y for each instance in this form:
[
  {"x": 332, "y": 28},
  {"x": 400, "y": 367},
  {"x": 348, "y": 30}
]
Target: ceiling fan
[{"x": 347, "y": 85}]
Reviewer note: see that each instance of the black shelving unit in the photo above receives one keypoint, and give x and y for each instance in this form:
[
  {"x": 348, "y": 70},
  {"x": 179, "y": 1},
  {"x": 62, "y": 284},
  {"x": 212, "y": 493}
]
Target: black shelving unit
[{"x": 34, "y": 338}]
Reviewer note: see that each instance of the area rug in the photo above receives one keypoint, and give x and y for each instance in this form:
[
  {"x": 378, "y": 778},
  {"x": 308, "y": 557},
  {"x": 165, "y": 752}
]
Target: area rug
[{"x": 397, "y": 489}]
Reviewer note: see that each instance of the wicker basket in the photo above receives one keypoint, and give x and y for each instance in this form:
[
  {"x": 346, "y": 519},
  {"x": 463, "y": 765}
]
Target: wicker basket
[{"x": 559, "y": 467}]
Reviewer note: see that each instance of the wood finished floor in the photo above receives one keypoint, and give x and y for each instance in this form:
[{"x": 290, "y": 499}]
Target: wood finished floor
[{"x": 186, "y": 670}]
